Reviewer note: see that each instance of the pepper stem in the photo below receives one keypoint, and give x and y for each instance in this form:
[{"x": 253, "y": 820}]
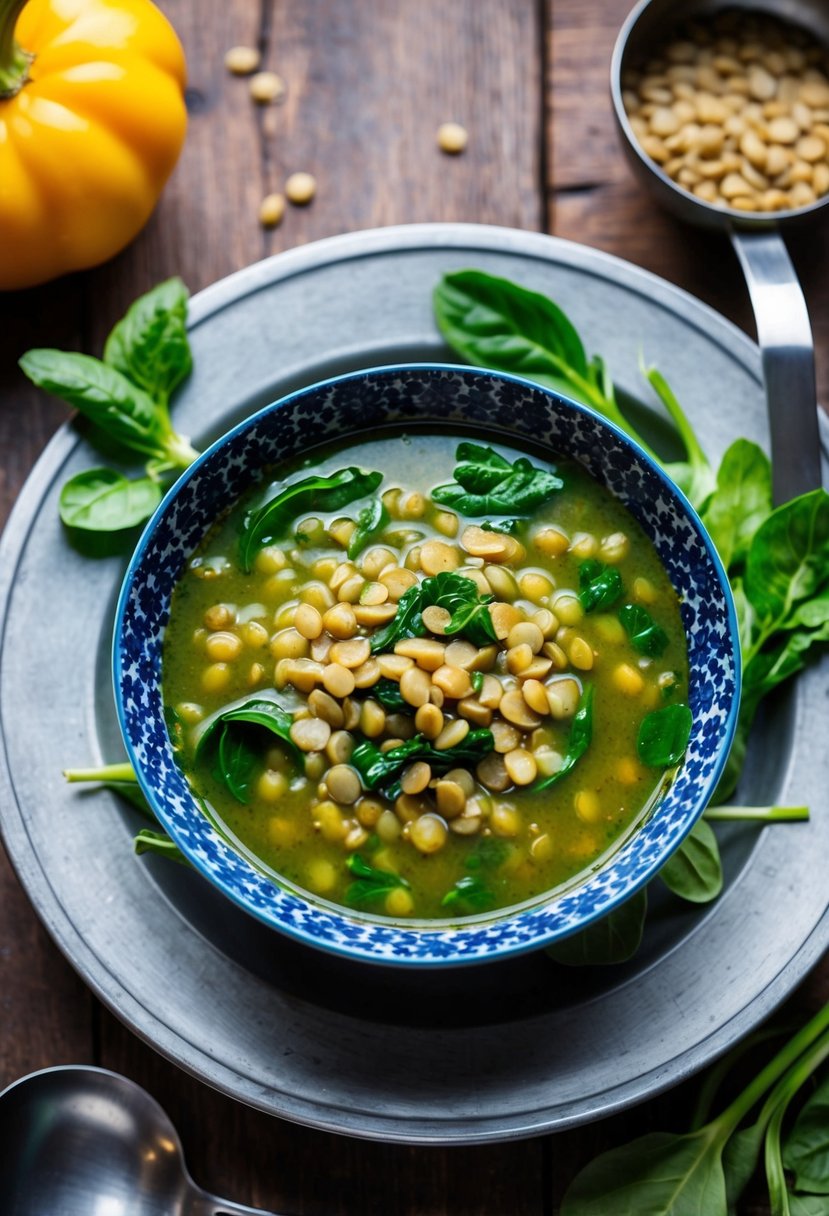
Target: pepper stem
[{"x": 14, "y": 61}]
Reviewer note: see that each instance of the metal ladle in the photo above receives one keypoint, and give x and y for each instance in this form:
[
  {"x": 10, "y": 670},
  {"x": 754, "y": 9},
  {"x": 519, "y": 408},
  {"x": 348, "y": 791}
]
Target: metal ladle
[
  {"x": 78, "y": 1141},
  {"x": 783, "y": 328}
]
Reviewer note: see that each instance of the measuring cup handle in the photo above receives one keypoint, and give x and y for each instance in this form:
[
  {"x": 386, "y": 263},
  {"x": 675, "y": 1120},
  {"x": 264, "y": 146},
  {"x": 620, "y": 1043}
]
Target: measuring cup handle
[{"x": 785, "y": 338}]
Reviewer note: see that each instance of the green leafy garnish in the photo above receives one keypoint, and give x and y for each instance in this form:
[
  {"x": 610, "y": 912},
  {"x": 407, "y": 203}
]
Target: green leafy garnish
[
  {"x": 488, "y": 484},
  {"x": 103, "y": 500},
  {"x": 126, "y": 396},
  {"x": 370, "y": 883},
  {"x": 149, "y": 345},
  {"x": 706, "y": 1169},
  {"x": 694, "y": 872},
  {"x": 388, "y": 693},
  {"x": 269, "y": 519},
  {"x": 454, "y": 592},
  {"x": 645, "y": 635},
  {"x": 468, "y": 894},
  {"x": 370, "y": 521},
  {"x": 741, "y": 501},
  {"x": 237, "y": 754},
  {"x": 507, "y": 526},
  {"x": 477, "y": 681},
  {"x": 599, "y": 585},
  {"x": 663, "y": 736},
  {"x": 379, "y": 770},
  {"x": 581, "y": 733}
]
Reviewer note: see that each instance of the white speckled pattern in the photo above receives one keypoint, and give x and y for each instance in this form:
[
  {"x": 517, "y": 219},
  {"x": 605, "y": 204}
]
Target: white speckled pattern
[{"x": 467, "y": 398}]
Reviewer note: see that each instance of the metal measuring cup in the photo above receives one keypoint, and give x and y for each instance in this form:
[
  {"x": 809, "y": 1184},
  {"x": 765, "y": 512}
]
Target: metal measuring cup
[{"x": 783, "y": 328}]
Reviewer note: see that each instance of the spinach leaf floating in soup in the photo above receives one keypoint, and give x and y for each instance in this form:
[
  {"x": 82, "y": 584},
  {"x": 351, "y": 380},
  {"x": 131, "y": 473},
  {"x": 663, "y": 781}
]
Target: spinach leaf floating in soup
[{"x": 431, "y": 691}]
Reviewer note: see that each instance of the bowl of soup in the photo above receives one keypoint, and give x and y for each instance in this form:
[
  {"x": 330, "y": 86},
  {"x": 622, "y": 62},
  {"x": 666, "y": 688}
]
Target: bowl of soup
[{"x": 426, "y": 665}]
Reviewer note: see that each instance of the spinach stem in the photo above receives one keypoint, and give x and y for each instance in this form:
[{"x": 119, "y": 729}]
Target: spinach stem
[
  {"x": 758, "y": 814},
  {"x": 106, "y": 772},
  {"x": 808, "y": 1043}
]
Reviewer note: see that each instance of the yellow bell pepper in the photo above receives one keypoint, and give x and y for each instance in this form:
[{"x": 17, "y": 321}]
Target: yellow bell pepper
[{"x": 92, "y": 120}]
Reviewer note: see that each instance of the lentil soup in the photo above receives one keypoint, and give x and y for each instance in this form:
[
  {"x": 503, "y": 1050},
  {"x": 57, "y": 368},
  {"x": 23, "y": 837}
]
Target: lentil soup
[{"x": 416, "y": 704}]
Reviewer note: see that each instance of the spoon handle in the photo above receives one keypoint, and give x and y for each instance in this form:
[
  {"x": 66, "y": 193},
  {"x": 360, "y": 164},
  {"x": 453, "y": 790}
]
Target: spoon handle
[{"x": 203, "y": 1204}]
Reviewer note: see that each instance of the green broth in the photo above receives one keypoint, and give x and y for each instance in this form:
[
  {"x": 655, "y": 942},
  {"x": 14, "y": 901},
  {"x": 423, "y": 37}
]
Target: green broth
[{"x": 525, "y": 842}]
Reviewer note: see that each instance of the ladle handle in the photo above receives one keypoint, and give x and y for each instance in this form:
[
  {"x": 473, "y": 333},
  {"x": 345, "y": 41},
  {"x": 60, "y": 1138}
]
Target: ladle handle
[
  {"x": 202, "y": 1204},
  {"x": 785, "y": 338}
]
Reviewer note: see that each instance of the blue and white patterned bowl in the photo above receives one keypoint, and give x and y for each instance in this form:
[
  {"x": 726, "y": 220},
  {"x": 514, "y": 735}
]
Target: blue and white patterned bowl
[{"x": 466, "y": 398}]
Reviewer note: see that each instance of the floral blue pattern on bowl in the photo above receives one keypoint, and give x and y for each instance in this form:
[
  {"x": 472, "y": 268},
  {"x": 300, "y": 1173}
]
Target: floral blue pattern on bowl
[{"x": 501, "y": 406}]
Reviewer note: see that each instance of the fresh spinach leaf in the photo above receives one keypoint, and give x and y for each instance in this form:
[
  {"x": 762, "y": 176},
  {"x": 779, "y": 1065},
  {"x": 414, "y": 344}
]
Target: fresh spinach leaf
[
  {"x": 599, "y": 585},
  {"x": 494, "y": 323},
  {"x": 806, "y": 1151},
  {"x": 104, "y": 395},
  {"x": 663, "y": 736},
  {"x": 236, "y": 753},
  {"x": 614, "y": 938},
  {"x": 477, "y": 680},
  {"x": 469, "y": 894},
  {"x": 454, "y": 592},
  {"x": 102, "y": 500},
  {"x": 788, "y": 559},
  {"x": 581, "y": 733},
  {"x": 741, "y": 501},
  {"x": 267, "y": 520},
  {"x": 645, "y": 635},
  {"x": 370, "y": 883},
  {"x": 695, "y": 870},
  {"x": 149, "y": 345},
  {"x": 487, "y": 484},
  {"x": 379, "y": 770},
  {"x": 660, "y": 1173},
  {"x": 370, "y": 521}
]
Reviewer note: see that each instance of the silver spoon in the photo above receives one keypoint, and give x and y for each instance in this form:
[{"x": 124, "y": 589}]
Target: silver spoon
[
  {"x": 783, "y": 328},
  {"x": 77, "y": 1140}
]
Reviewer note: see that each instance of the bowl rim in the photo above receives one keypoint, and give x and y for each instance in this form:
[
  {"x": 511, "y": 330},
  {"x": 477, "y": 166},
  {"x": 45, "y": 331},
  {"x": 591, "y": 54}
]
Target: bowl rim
[{"x": 357, "y": 949}]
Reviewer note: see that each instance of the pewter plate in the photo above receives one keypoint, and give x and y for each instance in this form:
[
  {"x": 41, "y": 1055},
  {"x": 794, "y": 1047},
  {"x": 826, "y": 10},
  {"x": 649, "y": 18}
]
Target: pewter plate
[{"x": 500, "y": 1051}]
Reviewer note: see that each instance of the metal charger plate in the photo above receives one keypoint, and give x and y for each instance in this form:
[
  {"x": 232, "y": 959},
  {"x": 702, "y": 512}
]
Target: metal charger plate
[{"x": 494, "y": 1052}]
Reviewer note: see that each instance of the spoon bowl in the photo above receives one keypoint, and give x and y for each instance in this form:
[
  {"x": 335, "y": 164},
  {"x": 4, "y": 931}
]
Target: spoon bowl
[{"x": 80, "y": 1140}]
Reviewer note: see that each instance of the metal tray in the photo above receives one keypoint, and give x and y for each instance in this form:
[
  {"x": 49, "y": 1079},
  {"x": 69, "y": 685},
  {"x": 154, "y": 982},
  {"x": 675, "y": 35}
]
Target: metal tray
[{"x": 499, "y": 1051}]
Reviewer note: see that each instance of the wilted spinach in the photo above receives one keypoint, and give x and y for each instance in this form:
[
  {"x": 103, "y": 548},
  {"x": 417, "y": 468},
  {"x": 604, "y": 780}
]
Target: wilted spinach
[
  {"x": 370, "y": 883},
  {"x": 238, "y": 753},
  {"x": 379, "y": 770},
  {"x": 455, "y": 593},
  {"x": 599, "y": 585},
  {"x": 488, "y": 484},
  {"x": 663, "y": 736},
  {"x": 581, "y": 733},
  {"x": 268, "y": 519},
  {"x": 371, "y": 520},
  {"x": 645, "y": 635}
]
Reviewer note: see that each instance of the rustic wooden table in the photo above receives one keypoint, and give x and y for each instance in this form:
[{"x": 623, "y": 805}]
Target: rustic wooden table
[{"x": 368, "y": 83}]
